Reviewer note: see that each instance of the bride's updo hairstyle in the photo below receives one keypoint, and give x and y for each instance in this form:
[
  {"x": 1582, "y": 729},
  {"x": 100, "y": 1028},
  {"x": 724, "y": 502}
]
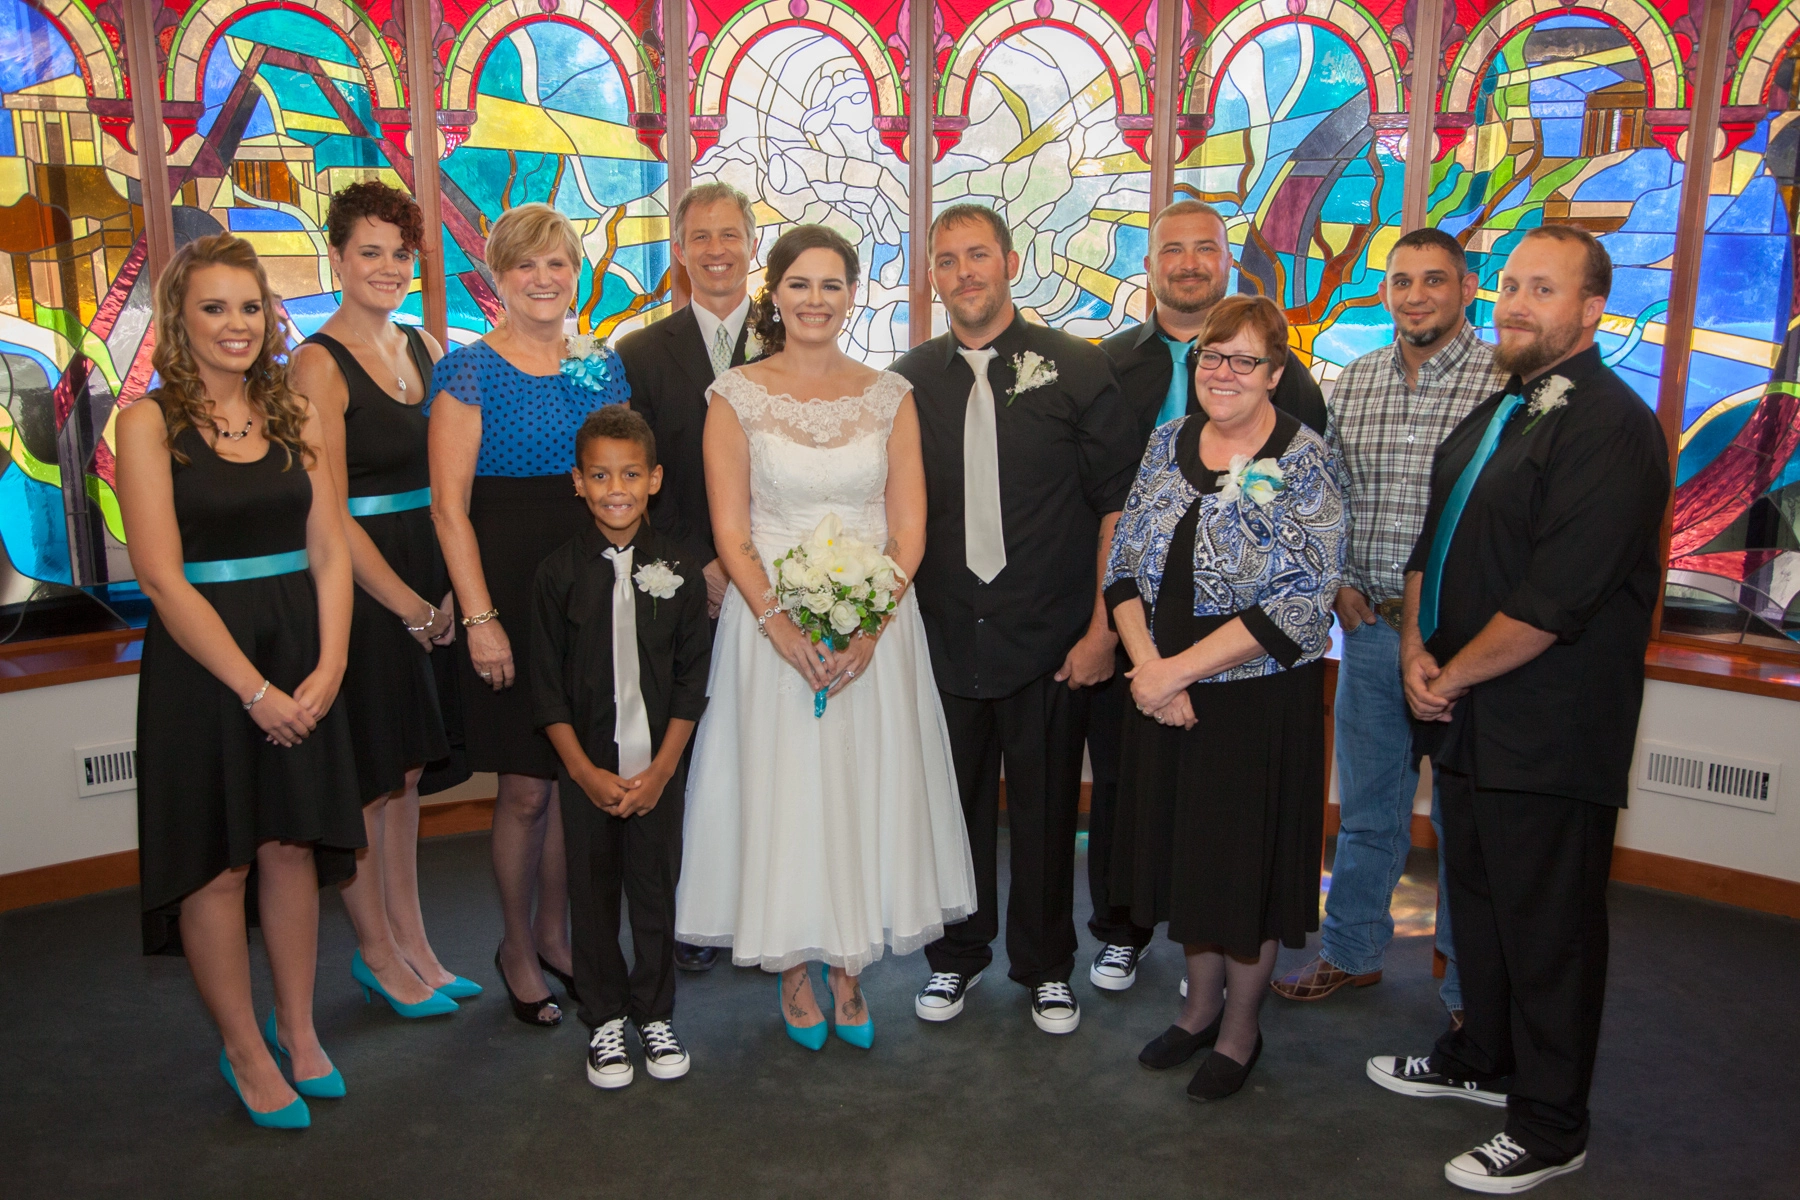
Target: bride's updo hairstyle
[{"x": 788, "y": 247}]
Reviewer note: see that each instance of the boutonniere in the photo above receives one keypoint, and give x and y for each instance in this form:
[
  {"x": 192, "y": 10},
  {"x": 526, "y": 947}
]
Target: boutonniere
[
  {"x": 753, "y": 346},
  {"x": 657, "y": 580},
  {"x": 586, "y": 361},
  {"x": 1551, "y": 395},
  {"x": 1030, "y": 370},
  {"x": 1258, "y": 481}
]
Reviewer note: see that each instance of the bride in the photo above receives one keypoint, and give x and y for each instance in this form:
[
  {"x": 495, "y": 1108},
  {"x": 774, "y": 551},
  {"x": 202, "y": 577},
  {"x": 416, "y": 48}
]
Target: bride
[{"x": 817, "y": 839}]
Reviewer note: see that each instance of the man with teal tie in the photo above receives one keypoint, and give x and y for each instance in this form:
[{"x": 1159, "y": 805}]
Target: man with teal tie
[
  {"x": 1529, "y": 597},
  {"x": 1189, "y": 265}
]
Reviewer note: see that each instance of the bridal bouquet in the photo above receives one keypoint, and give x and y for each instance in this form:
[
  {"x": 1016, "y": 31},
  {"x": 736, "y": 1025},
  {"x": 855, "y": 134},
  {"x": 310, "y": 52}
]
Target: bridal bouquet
[{"x": 832, "y": 585}]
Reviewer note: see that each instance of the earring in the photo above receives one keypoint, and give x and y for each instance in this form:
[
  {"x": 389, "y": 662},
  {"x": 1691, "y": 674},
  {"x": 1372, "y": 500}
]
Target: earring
[{"x": 777, "y": 317}]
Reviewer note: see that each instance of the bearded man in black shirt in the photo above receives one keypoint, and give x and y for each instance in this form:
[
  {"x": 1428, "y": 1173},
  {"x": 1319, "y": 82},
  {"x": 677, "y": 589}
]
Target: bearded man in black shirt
[
  {"x": 1527, "y": 612},
  {"x": 1028, "y": 460}
]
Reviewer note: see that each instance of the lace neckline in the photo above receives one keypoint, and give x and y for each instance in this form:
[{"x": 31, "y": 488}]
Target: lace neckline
[{"x": 790, "y": 398}]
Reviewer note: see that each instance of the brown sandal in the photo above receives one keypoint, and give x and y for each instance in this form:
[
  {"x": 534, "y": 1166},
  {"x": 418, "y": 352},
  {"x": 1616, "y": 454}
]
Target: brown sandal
[{"x": 1317, "y": 980}]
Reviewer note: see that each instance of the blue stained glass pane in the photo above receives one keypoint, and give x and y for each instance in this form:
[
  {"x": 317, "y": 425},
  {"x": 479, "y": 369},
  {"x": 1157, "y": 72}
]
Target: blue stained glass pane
[
  {"x": 32, "y": 526},
  {"x": 35, "y": 50},
  {"x": 289, "y": 30},
  {"x": 263, "y": 218}
]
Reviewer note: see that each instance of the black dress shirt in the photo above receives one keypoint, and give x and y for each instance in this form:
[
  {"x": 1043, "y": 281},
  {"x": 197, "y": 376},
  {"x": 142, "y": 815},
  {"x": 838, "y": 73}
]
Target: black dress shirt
[
  {"x": 1561, "y": 532},
  {"x": 1140, "y": 355},
  {"x": 1067, "y": 458},
  {"x": 571, "y": 641},
  {"x": 669, "y": 369}
]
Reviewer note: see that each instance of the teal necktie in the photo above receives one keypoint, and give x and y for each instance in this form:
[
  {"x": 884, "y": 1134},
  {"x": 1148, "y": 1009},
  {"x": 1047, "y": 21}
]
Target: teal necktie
[
  {"x": 1174, "y": 405},
  {"x": 1446, "y": 527}
]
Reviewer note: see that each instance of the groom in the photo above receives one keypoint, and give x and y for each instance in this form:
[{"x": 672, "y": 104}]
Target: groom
[
  {"x": 1028, "y": 460},
  {"x": 671, "y": 364}
]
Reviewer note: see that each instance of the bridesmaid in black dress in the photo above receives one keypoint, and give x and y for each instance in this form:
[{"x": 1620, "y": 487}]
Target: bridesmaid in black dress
[
  {"x": 366, "y": 378},
  {"x": 244, "y": 760}
]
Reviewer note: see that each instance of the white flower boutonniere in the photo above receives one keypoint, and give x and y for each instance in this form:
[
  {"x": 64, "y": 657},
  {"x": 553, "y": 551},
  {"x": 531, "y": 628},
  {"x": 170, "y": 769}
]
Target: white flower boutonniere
[
  {"x": 1256, "y": 481},
  {"x": 1552, "y": 394},
  {"x": 753, "y": 346},
  {"x": 657, "y": 580},
  {"x": 1030, "y": 370}
]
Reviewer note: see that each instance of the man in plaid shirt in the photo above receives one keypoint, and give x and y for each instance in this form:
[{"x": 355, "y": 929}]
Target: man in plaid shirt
[{"x": 1389, "y": 411}]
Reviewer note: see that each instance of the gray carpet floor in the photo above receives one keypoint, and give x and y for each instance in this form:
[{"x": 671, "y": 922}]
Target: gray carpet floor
[{"x": 108, "y": 1086}]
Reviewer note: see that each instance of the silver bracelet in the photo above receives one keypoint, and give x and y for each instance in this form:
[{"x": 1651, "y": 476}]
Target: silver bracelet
[
  {"x": 480, "y": 618},
  {"x": 762, "y": 622},
  {"x": 260, "y": 693},
  {"x": 430, "y": 620}
]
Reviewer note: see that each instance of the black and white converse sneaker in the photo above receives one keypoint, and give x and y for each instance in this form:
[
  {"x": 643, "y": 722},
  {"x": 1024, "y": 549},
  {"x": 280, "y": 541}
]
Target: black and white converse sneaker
[
  {"x": 942, "y": 996},
  {"x": 608, "y": 1066},
  {"x": 1414, "y": 1077},
  {"x": 1115, "y": 967},
  {"x": 1502, "y": 1167},
  {"x": 664, "y": 1055},
  {"x": 1053, "y": 1008}
]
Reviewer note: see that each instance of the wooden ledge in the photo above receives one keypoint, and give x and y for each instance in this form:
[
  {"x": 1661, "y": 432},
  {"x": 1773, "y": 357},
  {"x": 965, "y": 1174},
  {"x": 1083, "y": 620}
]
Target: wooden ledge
[
  {"x": 47, "y": 662},
  {"x": 1724, "y": 667}
]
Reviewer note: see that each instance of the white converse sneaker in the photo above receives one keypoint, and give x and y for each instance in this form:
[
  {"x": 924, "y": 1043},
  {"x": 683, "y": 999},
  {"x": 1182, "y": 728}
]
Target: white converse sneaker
[
  {"x": 1502, "y": 1167},
  {"x": 1411, "y": 1076},
  {"x": 941, "y": 999},
  {"x": 664, "y": 1055},
  {"x": 608, "y": 1066},
  {"x": 1115, "y": 967},
  {"x": 1053, "y": 1008}
]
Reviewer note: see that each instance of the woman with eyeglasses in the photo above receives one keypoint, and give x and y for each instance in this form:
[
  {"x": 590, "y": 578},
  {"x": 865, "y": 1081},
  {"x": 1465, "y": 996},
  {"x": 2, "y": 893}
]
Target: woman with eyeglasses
[{"x": 1221, "y": 582}]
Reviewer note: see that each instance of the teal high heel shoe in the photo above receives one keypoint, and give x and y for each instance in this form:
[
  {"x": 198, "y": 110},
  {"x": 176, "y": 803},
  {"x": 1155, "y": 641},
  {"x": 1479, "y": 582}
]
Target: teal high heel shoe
[
  {"x": 436, "y": 1005},
  {"x": 322, "y": 1087},
  {"x": 861, "y": 1036},
  {"x": 460, "y": 989},
  {"x": 811, "y": 1036},
  {"x": 294, "y": 1116}
]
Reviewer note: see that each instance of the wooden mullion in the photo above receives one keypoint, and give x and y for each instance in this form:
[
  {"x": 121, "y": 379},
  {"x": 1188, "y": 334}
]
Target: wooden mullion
[
  {"x": 1427, "y": 70},
  {"x": 1165, "y": 103},
  {"x": 678, "y": 146},
  {"x": 421, "y": 86},
  {"x": 147, "y": 123},
  {"x": 921, "y": 150},
  {"x": 1704, "y": 93}
]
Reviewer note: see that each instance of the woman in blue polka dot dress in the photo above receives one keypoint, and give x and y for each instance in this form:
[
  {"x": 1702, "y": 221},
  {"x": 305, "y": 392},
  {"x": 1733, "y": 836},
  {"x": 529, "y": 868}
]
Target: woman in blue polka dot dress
[{"x": 504, "y": 411}]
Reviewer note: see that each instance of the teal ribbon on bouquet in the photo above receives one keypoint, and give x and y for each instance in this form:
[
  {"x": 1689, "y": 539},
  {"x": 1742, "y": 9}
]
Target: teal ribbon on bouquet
[
  {"x": 375, "y": 506},
  {"x": 234, "y": 570}
]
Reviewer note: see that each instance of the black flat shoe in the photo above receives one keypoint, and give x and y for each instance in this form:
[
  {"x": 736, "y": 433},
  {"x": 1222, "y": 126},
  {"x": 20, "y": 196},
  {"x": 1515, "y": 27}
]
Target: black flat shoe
[
  {"x": 1219, "y": 1077},
  {"x": 529, "y": 1011},
  {"x": 1175, "y": 1045},
  {"x": 567, "y": 980},
  {"x": 695, "y": 958}
]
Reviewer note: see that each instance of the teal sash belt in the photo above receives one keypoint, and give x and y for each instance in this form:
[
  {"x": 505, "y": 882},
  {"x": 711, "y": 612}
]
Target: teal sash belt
[
  {"x": 374, "y": 506},
  {"x": 231, "y": 570}
]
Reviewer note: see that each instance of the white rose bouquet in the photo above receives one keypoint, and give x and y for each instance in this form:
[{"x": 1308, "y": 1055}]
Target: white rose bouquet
[{"x": 832, "y": 585}]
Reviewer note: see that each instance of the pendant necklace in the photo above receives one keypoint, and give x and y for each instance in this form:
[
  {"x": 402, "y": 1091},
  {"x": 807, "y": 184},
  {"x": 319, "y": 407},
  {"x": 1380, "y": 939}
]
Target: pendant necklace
[
  {"x": 240, "y": 435},
  {"x": 399, "y": 380}
]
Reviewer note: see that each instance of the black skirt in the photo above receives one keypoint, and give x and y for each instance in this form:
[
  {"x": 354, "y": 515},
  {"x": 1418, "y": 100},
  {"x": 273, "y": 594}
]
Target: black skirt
[
  {"x": 211, "y": 786},
  {"x": 517, "y": 523},
  {"x": 1218, "y": 828},
  {"x": 389, "y": 689}
]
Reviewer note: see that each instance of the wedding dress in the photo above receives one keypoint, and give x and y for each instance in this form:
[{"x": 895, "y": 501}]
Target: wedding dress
[{"x": 819, "y": 838}]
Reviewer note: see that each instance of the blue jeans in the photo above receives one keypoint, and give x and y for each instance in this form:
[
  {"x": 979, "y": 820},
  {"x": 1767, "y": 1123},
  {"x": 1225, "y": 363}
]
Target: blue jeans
[{"x": 1377, "y": 778}]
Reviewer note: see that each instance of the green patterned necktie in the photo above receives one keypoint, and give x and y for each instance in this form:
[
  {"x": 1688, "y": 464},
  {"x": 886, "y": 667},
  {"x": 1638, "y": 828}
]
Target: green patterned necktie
[{"x": 721, "y": 352}]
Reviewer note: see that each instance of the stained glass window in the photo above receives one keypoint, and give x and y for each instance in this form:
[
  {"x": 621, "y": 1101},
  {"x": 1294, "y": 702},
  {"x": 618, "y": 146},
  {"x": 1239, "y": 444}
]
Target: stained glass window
[
  {"x": 542, "y": 102},
  {"x": 1303, "y": 123},
  {"x": 1734, "y": 557},
  {"x": 74, "y": 303},
  {"x": 793, "y": 99},
  {"x": 270, "y": 111},
  {"x": 1040, "y": 100}
]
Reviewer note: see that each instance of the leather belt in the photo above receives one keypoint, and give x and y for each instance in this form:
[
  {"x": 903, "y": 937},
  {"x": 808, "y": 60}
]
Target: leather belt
[{"x": 1389, "y": 611}]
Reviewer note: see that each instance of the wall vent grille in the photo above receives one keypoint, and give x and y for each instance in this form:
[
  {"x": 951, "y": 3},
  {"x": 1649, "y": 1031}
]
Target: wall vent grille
[
  {"x": 103, "y": 769},
  {"x": 1702, "y": 775}
]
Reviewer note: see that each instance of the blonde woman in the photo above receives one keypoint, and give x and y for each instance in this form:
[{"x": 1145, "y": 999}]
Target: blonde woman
[
  {"x": 503, "y": 416},
  {"x": 235, "y": 533}
]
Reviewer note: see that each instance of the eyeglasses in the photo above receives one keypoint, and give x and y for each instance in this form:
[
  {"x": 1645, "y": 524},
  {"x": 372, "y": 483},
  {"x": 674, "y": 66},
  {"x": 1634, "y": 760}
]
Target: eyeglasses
[{"x": 1241, "y": 364}]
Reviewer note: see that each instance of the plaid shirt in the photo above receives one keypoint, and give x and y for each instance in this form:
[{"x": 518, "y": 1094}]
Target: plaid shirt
[{"x": 1383, "y": 434}]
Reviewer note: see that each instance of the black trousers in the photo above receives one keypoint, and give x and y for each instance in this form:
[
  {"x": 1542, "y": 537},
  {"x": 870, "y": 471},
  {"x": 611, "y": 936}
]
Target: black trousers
[
  {"x": 637, "y": 859},
  {"x": 1038, "y": 732},
  {"x": 1527, "y": 879},
  {"x": 1111, "y": 923}
]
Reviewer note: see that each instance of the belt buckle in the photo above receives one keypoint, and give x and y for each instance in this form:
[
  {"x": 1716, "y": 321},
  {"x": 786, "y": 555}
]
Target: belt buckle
[{"x": 1389, "y": 611}]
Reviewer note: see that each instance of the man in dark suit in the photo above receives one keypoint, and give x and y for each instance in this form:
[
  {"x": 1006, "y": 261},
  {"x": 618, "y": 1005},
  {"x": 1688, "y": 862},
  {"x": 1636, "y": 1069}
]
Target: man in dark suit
[
  {"x": 671, "y": 364},
  {"x": 1027, "y": 464},
  {"x": 1188, "y": 266}
]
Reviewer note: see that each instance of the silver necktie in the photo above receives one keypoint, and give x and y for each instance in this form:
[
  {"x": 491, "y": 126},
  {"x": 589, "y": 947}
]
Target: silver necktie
[
  {"x": 721, "y": 352},
  {"x": 984, "y": 535},
  {"x": 631, "y": 722}
]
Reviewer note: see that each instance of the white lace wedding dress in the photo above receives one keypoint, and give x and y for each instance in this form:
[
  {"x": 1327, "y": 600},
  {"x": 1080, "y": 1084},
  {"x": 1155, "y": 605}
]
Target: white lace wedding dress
[{"x": 819, "y": 838}]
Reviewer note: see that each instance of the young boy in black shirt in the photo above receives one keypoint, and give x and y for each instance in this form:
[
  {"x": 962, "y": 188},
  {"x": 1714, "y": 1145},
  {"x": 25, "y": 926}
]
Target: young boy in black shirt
[{"x": 619, "y": 722}]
